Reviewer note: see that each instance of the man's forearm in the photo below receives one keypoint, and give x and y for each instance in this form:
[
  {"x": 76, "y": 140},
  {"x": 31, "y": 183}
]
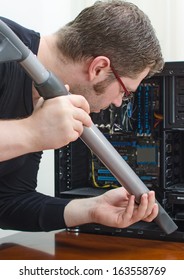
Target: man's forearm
[
  {"x": 79, "y": 211},
  {"x": 15, "y": 138}
]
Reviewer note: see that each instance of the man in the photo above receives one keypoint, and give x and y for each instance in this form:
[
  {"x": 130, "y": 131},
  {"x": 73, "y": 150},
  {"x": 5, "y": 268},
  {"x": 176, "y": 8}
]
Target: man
[{"x": 102, "y": 55}]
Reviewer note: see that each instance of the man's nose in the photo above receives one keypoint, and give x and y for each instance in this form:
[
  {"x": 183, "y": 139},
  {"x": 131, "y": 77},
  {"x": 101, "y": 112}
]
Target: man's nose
[{"x": 118, "y": 101}]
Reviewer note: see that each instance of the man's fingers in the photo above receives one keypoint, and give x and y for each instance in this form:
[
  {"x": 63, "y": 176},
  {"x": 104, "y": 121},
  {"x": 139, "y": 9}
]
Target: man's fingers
[
  {"x": 153, "y": 214},
  {"x": 80, "y": 102}
]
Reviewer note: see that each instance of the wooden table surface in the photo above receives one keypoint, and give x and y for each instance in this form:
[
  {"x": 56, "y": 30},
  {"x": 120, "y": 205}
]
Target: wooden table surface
[{"x": 65, "y": 245}]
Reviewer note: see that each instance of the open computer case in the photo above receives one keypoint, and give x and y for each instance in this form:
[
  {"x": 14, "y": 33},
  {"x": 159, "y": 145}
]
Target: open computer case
[{"x": 148, "y": 132}]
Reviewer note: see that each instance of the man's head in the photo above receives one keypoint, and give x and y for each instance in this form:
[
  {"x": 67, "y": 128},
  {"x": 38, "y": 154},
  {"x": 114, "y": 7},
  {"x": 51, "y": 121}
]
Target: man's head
[{"x": 118, "y": 33}]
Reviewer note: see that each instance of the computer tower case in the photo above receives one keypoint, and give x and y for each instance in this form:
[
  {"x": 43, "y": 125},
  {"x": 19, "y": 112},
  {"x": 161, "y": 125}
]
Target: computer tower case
[{"x": 148, "y": 132}]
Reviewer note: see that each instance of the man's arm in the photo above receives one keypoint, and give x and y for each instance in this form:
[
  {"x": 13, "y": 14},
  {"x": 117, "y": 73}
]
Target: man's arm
[
  {"x": 53, "y": 124},
  {"x": 115, "y": 208}
]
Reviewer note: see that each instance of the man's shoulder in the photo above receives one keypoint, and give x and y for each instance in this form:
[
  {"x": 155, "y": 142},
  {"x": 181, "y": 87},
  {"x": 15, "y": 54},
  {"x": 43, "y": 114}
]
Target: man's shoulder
[{"x": 29, "y": 37}]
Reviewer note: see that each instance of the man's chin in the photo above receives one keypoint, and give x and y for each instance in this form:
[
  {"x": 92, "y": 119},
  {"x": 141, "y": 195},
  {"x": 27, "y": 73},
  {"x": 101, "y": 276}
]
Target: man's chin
[{"x": 99, "y": 110}]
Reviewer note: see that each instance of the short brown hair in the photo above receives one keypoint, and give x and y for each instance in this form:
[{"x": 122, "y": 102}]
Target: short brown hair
[{"x": 116, "y": 29}]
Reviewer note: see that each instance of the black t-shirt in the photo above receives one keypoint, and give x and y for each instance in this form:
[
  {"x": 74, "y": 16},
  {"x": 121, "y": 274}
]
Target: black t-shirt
[{"x": 21, "y": 207}]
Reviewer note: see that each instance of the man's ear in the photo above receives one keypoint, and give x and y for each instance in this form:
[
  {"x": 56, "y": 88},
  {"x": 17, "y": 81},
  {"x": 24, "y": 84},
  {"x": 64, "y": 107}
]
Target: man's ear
[{"x": 99, "y": 68}]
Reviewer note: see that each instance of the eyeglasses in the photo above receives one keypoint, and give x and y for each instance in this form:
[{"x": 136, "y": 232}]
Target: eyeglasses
[{"x": 126, "y": 94}]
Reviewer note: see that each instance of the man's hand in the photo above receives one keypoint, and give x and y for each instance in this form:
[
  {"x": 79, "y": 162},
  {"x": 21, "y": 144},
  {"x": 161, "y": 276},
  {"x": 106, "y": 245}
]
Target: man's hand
[
  {"x": 59, "y": 121},
  {"x": 118, "y": 209}
]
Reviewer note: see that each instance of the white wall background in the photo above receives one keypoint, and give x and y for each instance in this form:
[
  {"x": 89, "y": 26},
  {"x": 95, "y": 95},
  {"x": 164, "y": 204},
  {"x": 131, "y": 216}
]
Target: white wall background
[{"x": 47, "y": 16}]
